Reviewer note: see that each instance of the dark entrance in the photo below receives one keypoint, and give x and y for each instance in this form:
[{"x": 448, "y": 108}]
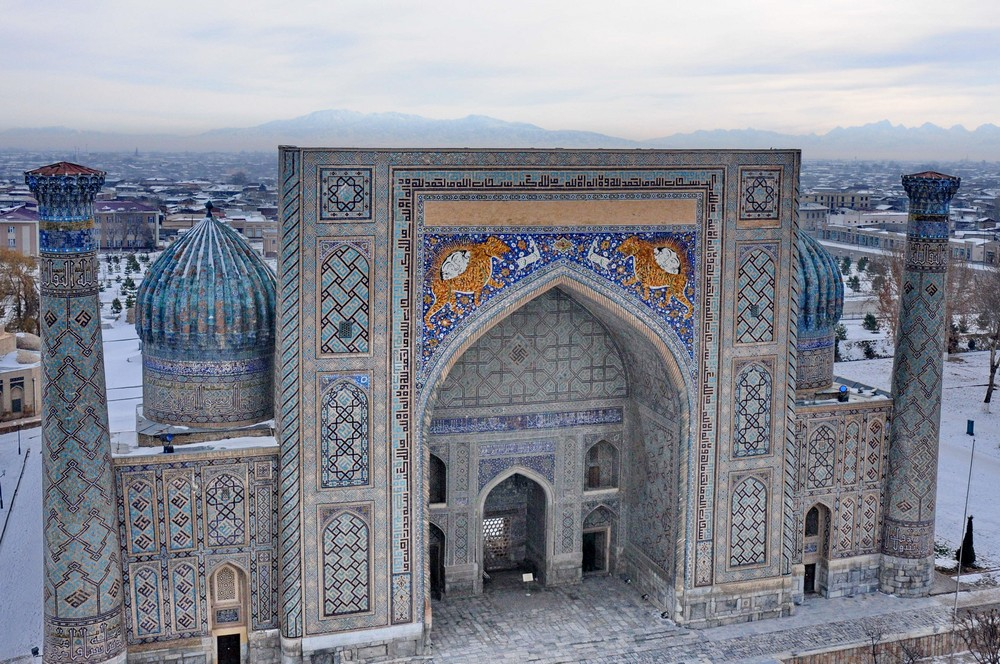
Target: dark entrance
[
  {"x": 229, "y": 648},
  {"x": 435, "y": 556},
  {"x": 595, "y": 548},
  {"x": 809, "y": 582}
]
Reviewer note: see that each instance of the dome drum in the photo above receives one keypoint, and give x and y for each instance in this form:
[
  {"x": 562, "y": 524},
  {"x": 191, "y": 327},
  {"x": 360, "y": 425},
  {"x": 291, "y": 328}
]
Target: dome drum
[{"x": 821, "y": 304}]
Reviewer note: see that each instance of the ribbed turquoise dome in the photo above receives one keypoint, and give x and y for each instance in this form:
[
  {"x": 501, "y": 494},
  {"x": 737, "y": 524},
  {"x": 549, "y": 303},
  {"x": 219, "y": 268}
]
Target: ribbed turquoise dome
[
  {"x": 821, "y": 304},
  {"x": 821, "y": 288},
  {"x": 205, "y": 315}
]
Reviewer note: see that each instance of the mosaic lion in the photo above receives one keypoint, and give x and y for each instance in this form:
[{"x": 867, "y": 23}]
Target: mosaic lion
[
  {"x": 463, "y": 268},
  {"x": 660, "y": 264}
]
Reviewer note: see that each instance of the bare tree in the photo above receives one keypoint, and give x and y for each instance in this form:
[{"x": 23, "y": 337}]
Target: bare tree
[
  {"x": 874, "y": 632},
  {"x": 887, "y": 282},
  {"x": 987, "y": 305},
  {"x": 980, "y": 630},
  {"x": 19, "y": 291}
]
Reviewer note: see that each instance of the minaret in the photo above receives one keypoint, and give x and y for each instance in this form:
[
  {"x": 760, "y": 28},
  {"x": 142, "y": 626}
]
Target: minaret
[
  {"x": 908, "y": 536},
  {"x": 83, "y": 580}
]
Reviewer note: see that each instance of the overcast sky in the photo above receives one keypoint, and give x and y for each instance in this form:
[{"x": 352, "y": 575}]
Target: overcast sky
[{"x": 626, "y": 68}]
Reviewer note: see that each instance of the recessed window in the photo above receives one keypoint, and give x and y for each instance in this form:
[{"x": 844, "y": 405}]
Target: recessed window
[
  {"x": 812, "y": 522},
  {"x": 602, "y": 467},
  {"x": 438, "y": 481}
]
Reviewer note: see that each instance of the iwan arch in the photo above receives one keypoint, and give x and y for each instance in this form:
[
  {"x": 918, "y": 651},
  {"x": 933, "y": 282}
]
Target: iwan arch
[{"x": 573, "y": 362}]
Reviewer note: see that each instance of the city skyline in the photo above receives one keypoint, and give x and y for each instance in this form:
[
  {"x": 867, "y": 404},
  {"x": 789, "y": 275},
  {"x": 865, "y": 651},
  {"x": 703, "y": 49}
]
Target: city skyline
[{"x": 636, "y": 70}]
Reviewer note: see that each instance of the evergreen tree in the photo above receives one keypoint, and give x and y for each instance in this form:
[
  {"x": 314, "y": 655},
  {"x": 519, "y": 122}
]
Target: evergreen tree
[
  {"x": 116, "y": 306},
  {"x": 870, "y": 323},
  {"x": 966, "y": 554}
]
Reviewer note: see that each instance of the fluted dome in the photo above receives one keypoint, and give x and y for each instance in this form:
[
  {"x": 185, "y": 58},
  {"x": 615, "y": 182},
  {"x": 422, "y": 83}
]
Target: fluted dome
[
  {"x": 205, "y": 315},
  {"x": 821, "y": 304}
]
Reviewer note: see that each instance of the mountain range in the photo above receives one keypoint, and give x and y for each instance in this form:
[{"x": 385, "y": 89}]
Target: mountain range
[{"x": 341, "y": 128}]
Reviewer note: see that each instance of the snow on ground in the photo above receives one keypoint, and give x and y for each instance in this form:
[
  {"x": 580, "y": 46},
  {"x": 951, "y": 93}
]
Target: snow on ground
[{"x": 965, "y": 376}]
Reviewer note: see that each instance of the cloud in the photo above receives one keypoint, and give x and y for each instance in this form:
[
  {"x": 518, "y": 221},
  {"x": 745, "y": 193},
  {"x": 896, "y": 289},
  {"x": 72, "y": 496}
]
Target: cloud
[{"x": 634, "y": 68}]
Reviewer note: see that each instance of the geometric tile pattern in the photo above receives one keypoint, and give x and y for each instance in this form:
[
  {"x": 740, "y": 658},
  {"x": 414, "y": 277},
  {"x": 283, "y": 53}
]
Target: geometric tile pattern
[
  {"x": 748, "y": 525},
  {"x": 346, "y": 574},
  {"x": 344, "y": 429},
  {"x": 760, "y": 194},
  {"x": 752, "y": 406},
  {"x": 345, "y": 194},
  {"x": 225, "y": 511},
  {"x": 845, "y": 527},
  {"x": 821, "y": 457},
  {"x": 562, "y": 350},
  {"x": 83, "y": 579},
  {"x": 873, "y": 454},
  {"x": 344, "y": 297},
  {"x": 755, "y": 294}
]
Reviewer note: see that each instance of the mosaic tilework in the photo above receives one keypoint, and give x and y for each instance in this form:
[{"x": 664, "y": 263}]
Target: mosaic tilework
[
  {"x": 752, "y": 407},
  {"x": 873, "y": 454},
  {"x": 344, "y": 424},
  {"x": 344, "y": 300},
  {"x": 755, "y": 294},
  {"x": 346, "y": 567},
  {"x": 232, "y": 519},
  {"x": 917, "y": 369},
  {"x": 289, "y": 397},
  {"x": 464, "y": 272},
  {"x": 83, "y": 581},
  {"x": 345, "y": 194},
  {"x": 748, "y": 524}
]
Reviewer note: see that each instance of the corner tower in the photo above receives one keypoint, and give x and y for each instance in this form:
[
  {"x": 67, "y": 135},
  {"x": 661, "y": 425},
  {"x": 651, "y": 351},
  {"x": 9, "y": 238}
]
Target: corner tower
[
  {"x": 908, "y": 536},
  {"x": 83, "y": 586}
]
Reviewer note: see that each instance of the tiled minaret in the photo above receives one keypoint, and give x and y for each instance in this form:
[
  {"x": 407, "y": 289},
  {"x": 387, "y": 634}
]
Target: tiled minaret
[
  {"x": 908, "y": 537},
  {"x": 83, "y": 582}
]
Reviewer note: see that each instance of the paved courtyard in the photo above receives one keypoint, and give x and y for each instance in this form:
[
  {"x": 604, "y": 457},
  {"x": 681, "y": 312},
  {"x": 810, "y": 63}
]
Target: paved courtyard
[{"x": 605, "y": 620}]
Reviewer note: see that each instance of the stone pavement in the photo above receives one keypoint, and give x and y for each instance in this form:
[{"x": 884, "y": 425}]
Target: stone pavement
[{"x": 604, "y": 620}]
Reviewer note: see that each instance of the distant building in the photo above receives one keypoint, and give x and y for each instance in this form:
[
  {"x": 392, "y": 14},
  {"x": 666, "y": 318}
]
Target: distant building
[
  {"x": 831, "y": 199},
  {"x": 19, "y": 227},
  {"x": 127, "y": 225},
  {"x": 846, "y": 217},
  {"x": 20, "y": 384},
  {"x": 812, "y": 216}
]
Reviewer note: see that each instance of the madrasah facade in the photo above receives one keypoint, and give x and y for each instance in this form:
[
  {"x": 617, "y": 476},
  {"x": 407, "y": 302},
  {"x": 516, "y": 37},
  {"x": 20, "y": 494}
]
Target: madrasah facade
[{"x": 559, "y": 362}]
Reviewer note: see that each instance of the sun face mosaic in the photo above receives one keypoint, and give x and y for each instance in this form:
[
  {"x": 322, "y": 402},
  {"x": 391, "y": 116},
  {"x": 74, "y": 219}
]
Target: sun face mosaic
[{"x": 462, "y": 273}]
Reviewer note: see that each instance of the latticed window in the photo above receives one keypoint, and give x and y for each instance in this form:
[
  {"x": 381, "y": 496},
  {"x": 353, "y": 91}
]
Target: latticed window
[
  {"x": 225, "y": 585},
  {"x": 602, "y": 466},
  {"x": 752, "y": 420},
  {"x": 438, "y": 480},
  {"x": 496, "y": 537}
]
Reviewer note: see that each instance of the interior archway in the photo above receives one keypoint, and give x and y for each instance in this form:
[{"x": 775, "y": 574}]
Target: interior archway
[{"x": 546, "y": 375}]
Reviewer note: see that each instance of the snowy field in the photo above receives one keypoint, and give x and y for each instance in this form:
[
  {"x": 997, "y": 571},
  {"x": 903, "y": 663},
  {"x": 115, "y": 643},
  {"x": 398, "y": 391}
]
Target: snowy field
[{"x": 20, "y": 548}]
